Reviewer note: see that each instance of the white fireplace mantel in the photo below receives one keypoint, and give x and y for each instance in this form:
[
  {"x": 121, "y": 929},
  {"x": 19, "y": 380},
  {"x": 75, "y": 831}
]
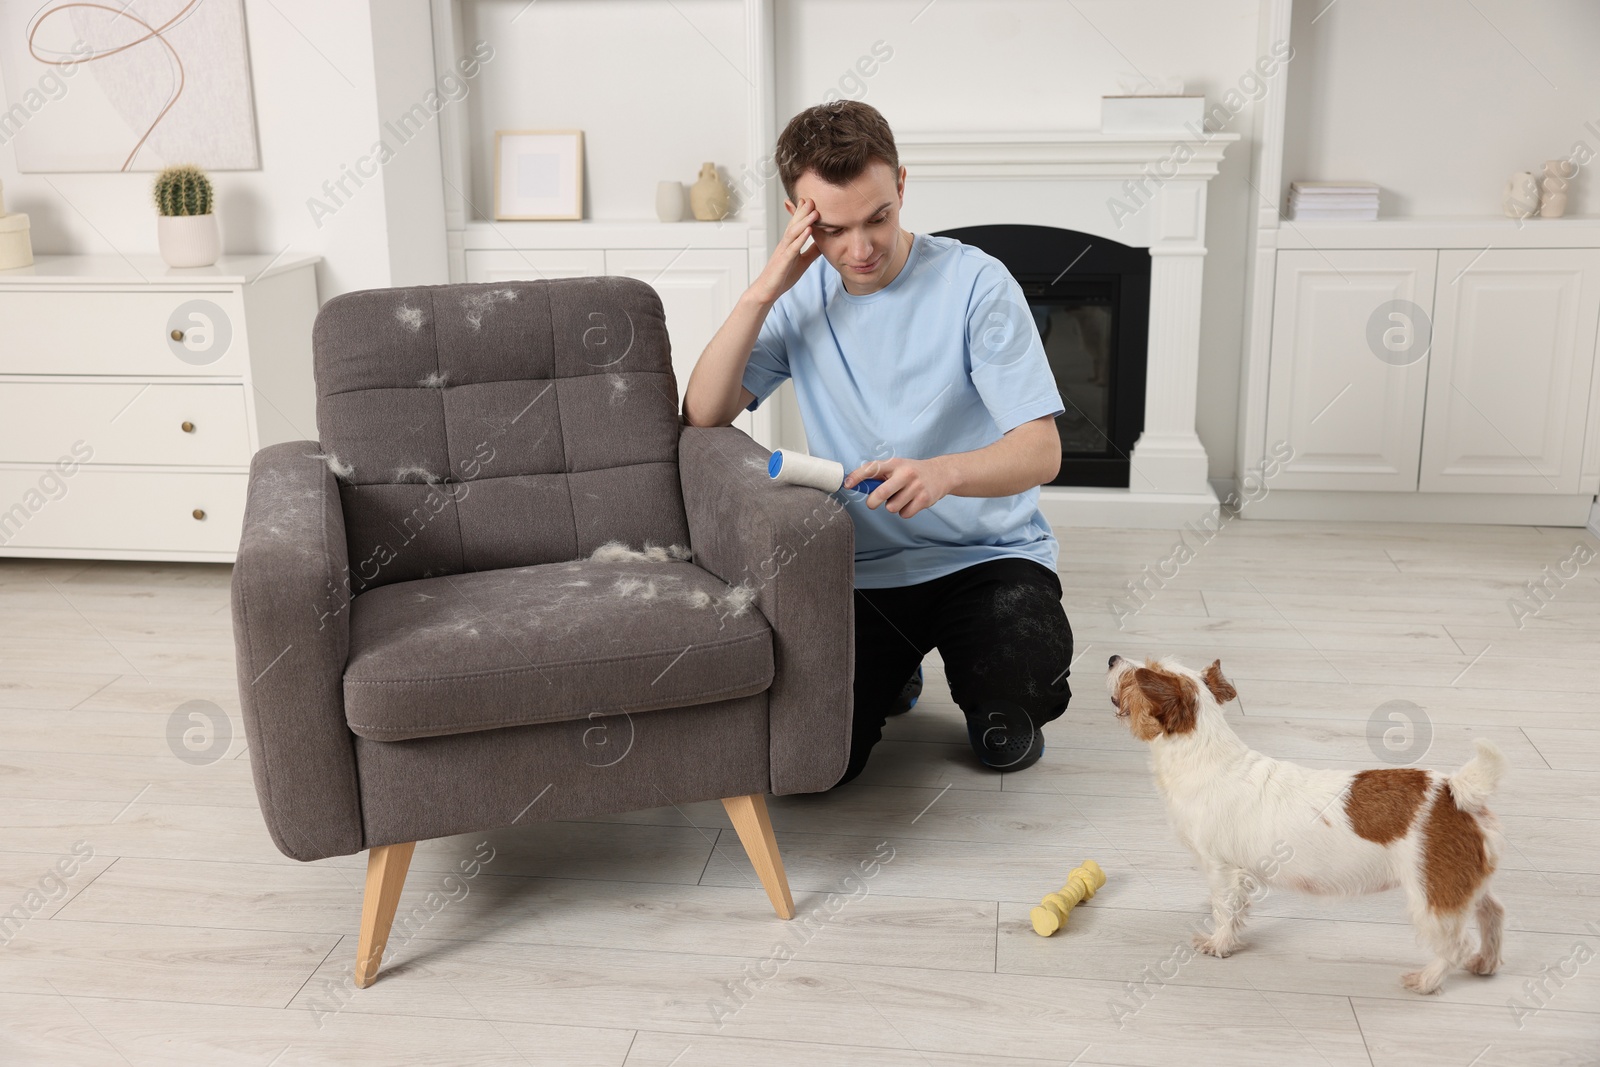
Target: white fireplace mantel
[
  {"x": 1145, "y": 192},
  {"x": 1071, "y": 153}
]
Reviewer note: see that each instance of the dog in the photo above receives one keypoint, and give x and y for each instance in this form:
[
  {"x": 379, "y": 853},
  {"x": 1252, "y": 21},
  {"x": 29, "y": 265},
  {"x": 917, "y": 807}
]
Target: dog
[{"x": 1252, "y": 820}]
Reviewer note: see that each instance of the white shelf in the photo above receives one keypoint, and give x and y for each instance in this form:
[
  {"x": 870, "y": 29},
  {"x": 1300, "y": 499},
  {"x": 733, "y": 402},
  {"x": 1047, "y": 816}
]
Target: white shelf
[
  {"x": 1439, "y": 231},
  {"x": 604, "y": 233}
]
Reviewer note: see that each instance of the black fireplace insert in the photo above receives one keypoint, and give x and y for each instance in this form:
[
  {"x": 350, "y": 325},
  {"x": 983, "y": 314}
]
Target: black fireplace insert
[{"x": 1090, "y": 299}]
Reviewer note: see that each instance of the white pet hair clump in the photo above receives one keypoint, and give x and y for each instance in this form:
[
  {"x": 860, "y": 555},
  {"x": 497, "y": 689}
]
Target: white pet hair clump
[
  {"x": 479, "y": 304},
  {"x": 739, "y": 598},
  {"x": 734, "y": 604},
  {"x": 406, "y": 474},
  {"x": 341, "y": 470},
  {"x": 434, "y": 380},
  {"x": 617, "y": 552},
  {"x": 619, "y": 388},
  {"x": 635, "y": 587},
  {"x": 410, "y": 317}
]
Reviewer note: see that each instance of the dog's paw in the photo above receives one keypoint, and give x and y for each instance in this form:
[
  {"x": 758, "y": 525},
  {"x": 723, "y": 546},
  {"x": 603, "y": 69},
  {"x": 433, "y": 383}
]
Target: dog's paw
[
  {"x": 1417, "y": 983},
  {"x": 1215, "y": 946},
  {"x": 1481, "y": 965}
]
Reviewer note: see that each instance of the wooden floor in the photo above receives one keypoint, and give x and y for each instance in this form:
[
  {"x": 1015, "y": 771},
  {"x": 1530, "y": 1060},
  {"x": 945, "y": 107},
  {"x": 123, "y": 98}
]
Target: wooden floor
[{"x": 186, "y": 938}]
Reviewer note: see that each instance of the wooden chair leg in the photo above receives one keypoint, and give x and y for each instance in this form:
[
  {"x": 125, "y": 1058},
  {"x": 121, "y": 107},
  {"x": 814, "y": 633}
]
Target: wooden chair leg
[
  {"x": 749, "y": 815},
  {"x": 386, "y": 876}
]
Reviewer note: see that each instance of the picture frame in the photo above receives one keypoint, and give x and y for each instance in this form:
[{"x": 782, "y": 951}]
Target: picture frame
[{"x": 538, "y": 175}]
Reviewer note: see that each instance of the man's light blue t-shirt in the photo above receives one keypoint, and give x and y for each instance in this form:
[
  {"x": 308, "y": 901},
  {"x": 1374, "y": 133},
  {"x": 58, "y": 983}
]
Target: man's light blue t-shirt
[{"x": 945, "y": 358}]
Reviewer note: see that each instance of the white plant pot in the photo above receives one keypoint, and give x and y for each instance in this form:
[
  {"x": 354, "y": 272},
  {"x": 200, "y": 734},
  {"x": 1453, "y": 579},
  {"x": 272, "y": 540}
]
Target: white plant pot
[
  {"x": 669, "y": 201},
  {"x": 188, "y": 240}
]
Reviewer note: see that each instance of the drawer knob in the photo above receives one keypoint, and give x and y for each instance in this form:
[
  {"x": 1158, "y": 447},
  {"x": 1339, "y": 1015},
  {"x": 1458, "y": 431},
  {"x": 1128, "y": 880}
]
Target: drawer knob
[
  {"x": 188, "y": 427},
  {"x": 177, "y": 335},
  {"x": 199, "y": 513}
]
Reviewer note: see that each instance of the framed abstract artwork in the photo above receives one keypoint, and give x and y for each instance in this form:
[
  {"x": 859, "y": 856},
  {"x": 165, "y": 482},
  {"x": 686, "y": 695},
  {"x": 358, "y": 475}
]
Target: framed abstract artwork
[
  {"x": 538, "y": 174},
  {"x": 94, "y": 87}
]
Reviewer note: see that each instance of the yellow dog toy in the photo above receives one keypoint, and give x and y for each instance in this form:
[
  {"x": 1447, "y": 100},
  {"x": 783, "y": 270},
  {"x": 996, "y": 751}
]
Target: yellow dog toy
[{"x": 1051, "y": 914}]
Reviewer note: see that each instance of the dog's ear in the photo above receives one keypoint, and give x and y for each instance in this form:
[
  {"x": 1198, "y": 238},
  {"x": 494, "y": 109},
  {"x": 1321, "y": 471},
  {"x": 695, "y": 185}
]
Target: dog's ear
[
  {"x": 1168, "y": 702},
  {"x": 1220, "y": 687}
]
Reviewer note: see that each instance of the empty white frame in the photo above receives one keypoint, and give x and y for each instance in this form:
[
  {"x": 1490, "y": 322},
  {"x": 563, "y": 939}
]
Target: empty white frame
[{"x": 538, "y": 174}]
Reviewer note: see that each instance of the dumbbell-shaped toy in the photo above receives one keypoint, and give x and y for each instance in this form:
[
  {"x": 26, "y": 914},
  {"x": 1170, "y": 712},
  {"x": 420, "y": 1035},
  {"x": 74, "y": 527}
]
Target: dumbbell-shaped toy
[{"x": 1051, "y": 914}]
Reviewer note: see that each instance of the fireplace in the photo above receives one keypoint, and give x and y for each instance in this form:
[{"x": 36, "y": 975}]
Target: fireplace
[
  {"x": 1090, "y": 298},
  {"x": 1134, "y": 206}
]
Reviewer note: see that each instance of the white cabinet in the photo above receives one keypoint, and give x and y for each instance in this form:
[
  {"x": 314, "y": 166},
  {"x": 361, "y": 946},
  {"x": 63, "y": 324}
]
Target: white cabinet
[
  {"x": 509, "y": 265},
  {"x": 1354, "y": 418},
  {"x": 698, "y": 287},
  {"x": 1449, "y": 374},
  {"x": 1513, "y": 353},
  {"x": 134, "y": 396}
]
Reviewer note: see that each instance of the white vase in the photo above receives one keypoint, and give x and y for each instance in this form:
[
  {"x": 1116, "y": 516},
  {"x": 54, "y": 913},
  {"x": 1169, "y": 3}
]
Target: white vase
[
  {"x": 709, "y": 198},
  {"x": 1558, "y": 175},
  {"x": 1521, "y": 195},
  {"x": 669, "y": 201},
  {"x": 188, "y": 240}
]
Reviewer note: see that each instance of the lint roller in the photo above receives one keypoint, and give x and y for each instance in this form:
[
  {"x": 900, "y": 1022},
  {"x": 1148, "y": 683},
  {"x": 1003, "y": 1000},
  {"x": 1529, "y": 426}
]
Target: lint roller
[{"x": 797, "y": 468}]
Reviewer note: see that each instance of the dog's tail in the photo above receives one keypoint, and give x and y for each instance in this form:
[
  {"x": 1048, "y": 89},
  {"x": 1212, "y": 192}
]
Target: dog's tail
[{"x": 1474, "y": 783}]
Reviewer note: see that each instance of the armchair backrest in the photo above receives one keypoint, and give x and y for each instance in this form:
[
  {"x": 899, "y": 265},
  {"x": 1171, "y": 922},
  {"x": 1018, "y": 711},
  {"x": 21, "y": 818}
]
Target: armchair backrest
[{"x": 499, "y": 425}]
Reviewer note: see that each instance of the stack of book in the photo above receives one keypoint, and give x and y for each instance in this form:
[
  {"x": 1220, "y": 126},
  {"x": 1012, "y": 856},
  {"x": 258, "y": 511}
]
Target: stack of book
[{"x": 1332, "y": 200}]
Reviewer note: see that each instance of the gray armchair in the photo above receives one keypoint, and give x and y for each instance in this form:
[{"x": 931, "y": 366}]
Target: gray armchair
[{"x": 429, "y": 642}]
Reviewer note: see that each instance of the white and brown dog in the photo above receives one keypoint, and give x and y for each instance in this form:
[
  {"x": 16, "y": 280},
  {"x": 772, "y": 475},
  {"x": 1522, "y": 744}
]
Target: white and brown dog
[{"x": 1249, "y": 818}]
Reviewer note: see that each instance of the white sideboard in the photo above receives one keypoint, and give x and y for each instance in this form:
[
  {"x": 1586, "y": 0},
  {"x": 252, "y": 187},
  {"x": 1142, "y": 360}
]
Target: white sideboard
[
  {"x": 134, "y": 396},
  {"x": 1434, "y": 369}
]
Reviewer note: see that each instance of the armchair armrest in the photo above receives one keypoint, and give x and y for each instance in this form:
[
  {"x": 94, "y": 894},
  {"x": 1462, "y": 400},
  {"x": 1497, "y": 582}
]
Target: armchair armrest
[
  {"x": 291, "y": 632},
  {"x": 796, "y": 547}
]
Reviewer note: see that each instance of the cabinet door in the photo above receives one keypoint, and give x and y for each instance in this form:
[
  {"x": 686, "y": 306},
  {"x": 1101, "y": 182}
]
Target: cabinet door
[
  {"x": 698, "y": 288},
  {"x": 526, "y": 264},
  {"x": 1349, "y": 407},
  {"x": 1508, "y": 394}
]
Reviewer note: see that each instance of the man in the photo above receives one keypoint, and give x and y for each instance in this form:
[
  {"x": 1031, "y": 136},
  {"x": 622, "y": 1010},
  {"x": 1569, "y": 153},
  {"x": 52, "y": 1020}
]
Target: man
[{"x": 915, "y": 360}]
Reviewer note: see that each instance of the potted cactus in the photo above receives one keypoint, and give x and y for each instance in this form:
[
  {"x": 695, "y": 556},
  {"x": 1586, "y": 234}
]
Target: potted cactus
[{"x": 186, "y": 229}]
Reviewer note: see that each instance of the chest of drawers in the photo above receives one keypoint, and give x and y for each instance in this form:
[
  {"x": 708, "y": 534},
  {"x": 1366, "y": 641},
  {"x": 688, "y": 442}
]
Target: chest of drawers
[{"x": 132, "y": 397}]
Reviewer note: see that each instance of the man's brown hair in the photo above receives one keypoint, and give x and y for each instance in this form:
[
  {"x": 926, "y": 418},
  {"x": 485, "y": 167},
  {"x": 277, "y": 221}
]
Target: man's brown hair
[{"x": 837, "y": 140}]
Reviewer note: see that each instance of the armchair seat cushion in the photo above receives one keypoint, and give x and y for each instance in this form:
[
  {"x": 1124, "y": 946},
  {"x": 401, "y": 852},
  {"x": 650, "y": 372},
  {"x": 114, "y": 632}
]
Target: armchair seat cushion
[{"x": 547, "y": 643}]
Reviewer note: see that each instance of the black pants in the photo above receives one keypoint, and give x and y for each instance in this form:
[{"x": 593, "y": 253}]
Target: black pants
[{"x": 999, "y": 627}]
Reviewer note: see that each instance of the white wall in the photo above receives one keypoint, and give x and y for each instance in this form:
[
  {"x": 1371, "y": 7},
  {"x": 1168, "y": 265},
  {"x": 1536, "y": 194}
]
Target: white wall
[
  {"x": 658, "y": 89},
  {"x": 317, "y": 113},
  {"x": 1438, "y": 101}
]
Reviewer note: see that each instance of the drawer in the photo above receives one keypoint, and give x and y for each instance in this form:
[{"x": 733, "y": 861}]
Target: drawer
[
  {"x": 125, "y": 422},
  {"x": 59, "y": 332},
  {"x": 105, "y": 509}
]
